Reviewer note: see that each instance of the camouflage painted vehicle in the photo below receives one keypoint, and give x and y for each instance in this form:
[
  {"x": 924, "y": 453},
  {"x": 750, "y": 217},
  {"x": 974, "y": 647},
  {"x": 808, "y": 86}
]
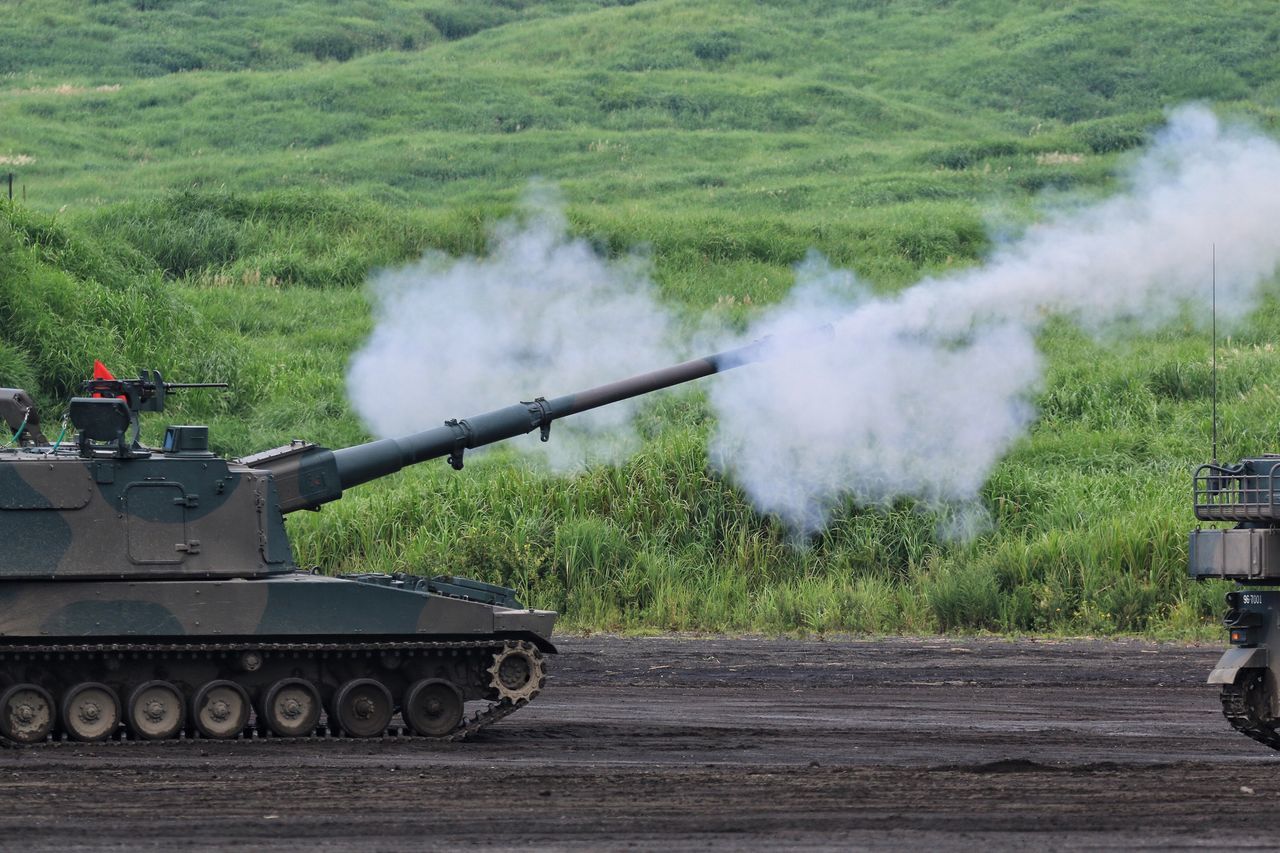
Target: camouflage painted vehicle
[{"x": 152, "y": 593}]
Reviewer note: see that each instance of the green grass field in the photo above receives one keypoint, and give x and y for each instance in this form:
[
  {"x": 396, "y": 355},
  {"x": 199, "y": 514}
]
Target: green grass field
[{"x": 208, "y": 184}]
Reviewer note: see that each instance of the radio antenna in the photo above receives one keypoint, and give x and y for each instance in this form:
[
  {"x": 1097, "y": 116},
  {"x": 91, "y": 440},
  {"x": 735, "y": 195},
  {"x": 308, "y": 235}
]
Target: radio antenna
[{"x": 1213, "y": 264}]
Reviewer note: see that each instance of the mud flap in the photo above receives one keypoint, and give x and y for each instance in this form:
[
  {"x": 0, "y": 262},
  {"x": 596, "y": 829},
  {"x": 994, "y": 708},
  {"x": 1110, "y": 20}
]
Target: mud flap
[{"x": 1234, "y": 660}]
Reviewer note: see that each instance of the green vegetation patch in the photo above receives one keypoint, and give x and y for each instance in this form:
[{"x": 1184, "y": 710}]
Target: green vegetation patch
[{"x": 208, "y": 185}]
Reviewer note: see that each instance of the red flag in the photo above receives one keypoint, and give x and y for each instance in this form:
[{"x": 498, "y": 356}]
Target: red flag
[{"x": 100, "y": 372}]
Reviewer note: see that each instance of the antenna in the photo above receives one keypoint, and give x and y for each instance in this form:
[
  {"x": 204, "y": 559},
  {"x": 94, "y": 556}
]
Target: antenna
[{"x": 1213, "y": 263}]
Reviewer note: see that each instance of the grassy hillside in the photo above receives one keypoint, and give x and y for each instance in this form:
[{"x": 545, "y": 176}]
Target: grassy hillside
[{"x": 207, "y": 185}]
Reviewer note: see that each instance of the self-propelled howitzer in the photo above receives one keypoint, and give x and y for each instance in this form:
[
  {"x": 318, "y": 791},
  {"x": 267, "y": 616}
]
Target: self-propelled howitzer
[{"x": 151, "y": 593}]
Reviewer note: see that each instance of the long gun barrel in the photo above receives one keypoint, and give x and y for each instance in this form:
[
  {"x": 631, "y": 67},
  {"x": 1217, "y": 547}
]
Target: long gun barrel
[{"x": 307, "y": 476}]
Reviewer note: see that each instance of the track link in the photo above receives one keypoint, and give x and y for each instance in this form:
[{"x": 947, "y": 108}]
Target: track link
[
  {"x": 1240, "y": 707},
  {"x": 467, "y": 728}
]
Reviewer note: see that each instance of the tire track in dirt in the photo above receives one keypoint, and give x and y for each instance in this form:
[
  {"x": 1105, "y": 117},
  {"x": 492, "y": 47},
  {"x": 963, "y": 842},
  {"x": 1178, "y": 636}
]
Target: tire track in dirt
[{"x": 716, "y": 743}]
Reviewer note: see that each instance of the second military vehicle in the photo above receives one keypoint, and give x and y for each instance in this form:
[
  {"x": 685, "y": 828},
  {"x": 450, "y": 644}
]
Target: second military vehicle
[
  {"x": 151, "y": 593},
  {"x": 1247, "y": 493}
]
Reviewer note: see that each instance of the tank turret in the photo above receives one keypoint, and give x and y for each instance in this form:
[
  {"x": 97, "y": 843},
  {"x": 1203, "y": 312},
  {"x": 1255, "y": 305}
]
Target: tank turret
[{"x": 151, "y": 593}]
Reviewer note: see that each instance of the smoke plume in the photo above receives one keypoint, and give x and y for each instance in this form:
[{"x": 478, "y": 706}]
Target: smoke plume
[
  {"x": 916, "y": 395},
  {"x": 540, "y": 315},
  {"x": 919, "y": 394}
]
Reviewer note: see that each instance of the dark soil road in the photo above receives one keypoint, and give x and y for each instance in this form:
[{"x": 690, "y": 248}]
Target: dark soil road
[{"x": 720, "y": 744}]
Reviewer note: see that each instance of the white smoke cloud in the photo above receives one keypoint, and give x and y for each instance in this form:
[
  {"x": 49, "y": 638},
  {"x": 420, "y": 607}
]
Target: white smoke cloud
[
  {"x": 874, "y": 410},
  {"x": 919, "y": 394},
  {"x": 542, "y": 315}
]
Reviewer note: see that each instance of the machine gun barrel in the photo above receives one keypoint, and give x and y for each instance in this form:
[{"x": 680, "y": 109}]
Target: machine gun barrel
[{"x": 365, "y": 462}]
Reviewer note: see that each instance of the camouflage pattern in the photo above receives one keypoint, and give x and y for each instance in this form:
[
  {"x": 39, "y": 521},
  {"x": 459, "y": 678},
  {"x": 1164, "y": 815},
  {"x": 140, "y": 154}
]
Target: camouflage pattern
[
  {"x": 155, "y": 516},
  {"x": 289, "y": 606}
]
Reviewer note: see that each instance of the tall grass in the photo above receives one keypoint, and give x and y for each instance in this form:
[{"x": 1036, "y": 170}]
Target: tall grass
[
  {"x": 231, "y": 172},
  {"x": 1089, "y": 512}
]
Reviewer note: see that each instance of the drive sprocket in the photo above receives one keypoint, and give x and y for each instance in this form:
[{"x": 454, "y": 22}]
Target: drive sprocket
[
  {"x": 517, "y": 672},
  {"x": 1244, "y": 704}
]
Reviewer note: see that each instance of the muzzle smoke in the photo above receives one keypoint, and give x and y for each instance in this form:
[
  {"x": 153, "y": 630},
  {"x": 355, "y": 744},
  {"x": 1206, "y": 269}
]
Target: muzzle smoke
[
  {"x": 541, "y": 315},
  {"x": 919, "y": 394},
  {"x": 914, "y": 395}
]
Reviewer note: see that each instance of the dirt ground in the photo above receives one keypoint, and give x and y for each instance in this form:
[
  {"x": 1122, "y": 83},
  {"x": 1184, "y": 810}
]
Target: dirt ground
[{"x": 679, "y": 743}]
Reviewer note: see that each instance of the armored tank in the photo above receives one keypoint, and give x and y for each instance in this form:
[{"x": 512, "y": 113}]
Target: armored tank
[
  {"x": 152, "y": 594},
  {"x": 1248, "y": 494}
]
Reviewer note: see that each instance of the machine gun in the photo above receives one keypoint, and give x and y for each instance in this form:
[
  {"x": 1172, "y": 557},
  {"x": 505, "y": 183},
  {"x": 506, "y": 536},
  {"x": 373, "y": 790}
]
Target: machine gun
[
  {"x": 99, "y": 419},
  {"x": 144, "y": 394},
  {"x": 110, "y": 408}
]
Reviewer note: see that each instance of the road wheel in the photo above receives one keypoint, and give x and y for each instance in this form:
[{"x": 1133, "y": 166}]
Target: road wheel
[
  {"x": 156, "y": 711},
  {"x": 363, "y": 707},
  {"x": 26, "y": 713},
  {"x": 291, "y": 708},
  {"x": 432, "y": 707},
  {"x": 90, "y": 712},
  {"x": 221, "y": 709}
]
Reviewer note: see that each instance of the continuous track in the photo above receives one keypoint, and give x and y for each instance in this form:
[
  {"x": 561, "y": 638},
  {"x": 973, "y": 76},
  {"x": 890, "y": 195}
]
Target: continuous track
[
  {"x": 54, "y": 656},
  {"x": 1240, "y": 707}
]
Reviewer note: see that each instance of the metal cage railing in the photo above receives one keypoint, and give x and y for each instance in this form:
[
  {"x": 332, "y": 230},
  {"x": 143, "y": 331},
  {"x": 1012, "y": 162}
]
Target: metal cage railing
[{"x": 1234, "y": 493}]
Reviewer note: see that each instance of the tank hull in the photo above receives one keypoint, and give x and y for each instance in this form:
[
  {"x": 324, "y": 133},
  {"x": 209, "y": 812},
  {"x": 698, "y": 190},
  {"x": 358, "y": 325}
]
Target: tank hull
[
  {"x": 165, "y": 660},
  {"x": 284, "y": 606}
]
